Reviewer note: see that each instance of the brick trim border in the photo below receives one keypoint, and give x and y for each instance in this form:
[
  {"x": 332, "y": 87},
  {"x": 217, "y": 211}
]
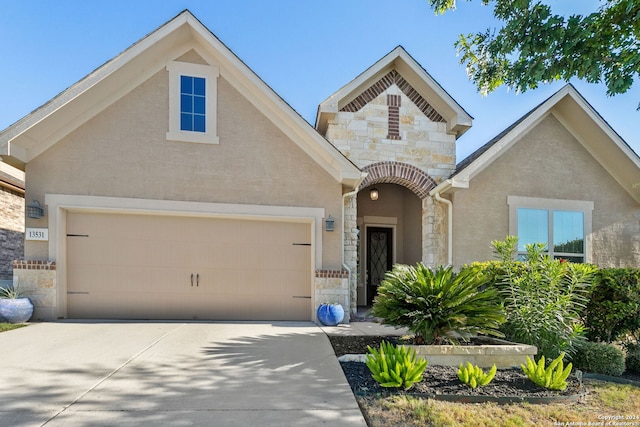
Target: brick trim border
[
  {"x": 33, "y": 265},
  {"x": 332, "y": 274},
  {"x": 399, "y": 173},
  {"x": 393, "y": 77}
]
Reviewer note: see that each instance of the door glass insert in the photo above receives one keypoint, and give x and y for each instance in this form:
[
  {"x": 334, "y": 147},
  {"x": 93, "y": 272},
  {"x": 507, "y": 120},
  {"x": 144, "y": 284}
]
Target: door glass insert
[{"x": 379, "y": 258}]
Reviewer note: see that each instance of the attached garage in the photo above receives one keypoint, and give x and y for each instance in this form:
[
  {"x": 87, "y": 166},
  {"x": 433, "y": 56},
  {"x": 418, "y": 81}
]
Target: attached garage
[
  {"x": 142, "y": 266},
  {"x": 148, "y": 217}
]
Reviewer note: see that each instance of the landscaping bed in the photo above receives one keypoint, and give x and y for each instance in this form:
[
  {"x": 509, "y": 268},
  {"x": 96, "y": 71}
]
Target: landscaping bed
[{"x": 442, "y": 380}]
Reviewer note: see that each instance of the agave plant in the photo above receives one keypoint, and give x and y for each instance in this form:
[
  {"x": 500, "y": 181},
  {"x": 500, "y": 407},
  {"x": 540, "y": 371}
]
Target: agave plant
[
  {"x": 10, "y": 293},
  {"x": 438, "y": 305}
]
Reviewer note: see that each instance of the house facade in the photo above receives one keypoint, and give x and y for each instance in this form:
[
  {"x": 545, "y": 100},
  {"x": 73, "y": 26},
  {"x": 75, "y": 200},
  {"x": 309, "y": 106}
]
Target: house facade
[{"x": 190, "y": 190}]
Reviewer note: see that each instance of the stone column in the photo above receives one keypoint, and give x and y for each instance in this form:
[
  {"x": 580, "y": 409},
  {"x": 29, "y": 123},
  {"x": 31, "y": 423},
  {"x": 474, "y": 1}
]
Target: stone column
[
  {"x": 434, "y": 232},
  {"x": 351, "y": 247}
]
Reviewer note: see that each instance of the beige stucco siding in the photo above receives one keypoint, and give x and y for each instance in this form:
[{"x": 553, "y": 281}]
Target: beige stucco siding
[
  {"x": 547, "y": 162},
  {"x": 123, "y": 152}
]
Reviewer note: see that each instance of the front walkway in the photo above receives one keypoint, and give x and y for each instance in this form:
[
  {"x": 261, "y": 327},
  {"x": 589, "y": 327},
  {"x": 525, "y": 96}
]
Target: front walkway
[{"x": 364, "y": 328}]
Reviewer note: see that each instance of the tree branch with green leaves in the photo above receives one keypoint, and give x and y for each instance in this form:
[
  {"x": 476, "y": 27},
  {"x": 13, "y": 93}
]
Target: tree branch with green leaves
[{"x": 535, "y": 46}]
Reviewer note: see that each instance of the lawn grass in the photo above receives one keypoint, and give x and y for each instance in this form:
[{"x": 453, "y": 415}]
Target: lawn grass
[
  {"x": 603, "y": 399},
  {"x": 10, "y": 326}
]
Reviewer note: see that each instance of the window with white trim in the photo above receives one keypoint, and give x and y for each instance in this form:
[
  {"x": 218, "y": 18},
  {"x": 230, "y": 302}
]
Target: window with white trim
[
  {"x": 192, "y": 102},
  {"x": 562, "y": 225}
]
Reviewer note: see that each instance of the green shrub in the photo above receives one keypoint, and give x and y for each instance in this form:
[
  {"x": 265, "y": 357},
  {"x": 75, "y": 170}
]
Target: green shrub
[
  {"x": 613, "y": 309},
  {"x": 395, "y": 366},
  {"x": 438, "y": 304},
  {"x": 599, "y": 358},
  {"x": 632, "y": 360},
  {"x": 553, "y": 377},
  {"x": 474, "y": 376},
  {"x": 543, "y": 298}
]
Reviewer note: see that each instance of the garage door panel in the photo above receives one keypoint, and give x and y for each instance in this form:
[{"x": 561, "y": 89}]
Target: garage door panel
[{"x": 140, "y": 267}]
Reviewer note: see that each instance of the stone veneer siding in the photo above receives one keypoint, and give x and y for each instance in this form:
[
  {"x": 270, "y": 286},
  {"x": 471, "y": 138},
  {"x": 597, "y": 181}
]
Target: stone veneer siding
[
  {"x": 418, "y": 155},
  {"x": 331, "y": 287},
  {"x": 362, "y": 136},
  {"x": 11, "y": 230},
  {"x": 434, "y": 232},
  {"x": 37, "y": 280},
  {"x": 350, "y": 254}
]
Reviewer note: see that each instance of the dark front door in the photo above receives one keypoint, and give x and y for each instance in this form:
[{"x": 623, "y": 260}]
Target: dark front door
[{"x": 379, "y": 258}]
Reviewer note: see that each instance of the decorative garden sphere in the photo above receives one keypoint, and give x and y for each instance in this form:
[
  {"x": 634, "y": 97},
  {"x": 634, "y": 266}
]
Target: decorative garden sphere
[{"x": 330, "y": 314}]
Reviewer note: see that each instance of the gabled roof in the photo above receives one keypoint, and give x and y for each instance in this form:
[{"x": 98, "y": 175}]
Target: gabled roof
[
  {"x": 36, "y": 132},
  {"x": 584, "y": 123},
  {"x": 400, "y": 68}
]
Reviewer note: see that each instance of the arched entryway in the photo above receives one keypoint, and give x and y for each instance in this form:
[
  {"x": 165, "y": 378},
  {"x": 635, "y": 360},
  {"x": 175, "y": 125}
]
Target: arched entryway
[{"x": 390, "y": 228}]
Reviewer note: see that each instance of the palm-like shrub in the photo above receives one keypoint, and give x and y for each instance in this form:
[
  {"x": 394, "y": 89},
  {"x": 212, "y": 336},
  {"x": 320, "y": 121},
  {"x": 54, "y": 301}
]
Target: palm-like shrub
[{"x": 438, "y": 305}]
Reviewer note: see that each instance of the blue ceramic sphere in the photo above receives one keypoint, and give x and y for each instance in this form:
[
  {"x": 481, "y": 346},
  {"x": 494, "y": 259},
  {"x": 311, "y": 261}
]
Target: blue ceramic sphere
[{"x": 330, "y": 314}]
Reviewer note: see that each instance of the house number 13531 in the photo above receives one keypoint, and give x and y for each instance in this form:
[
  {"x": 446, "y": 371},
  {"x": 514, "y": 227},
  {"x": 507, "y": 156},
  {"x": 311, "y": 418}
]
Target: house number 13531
[{"x": 37, "y": 234}]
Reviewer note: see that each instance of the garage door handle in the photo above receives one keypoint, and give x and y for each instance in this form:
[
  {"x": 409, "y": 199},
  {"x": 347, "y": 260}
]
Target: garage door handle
[
  {"x": 301, "y": 296},
  {"x": 191, "y": 279},
  {"x": 198, "y": 279}
]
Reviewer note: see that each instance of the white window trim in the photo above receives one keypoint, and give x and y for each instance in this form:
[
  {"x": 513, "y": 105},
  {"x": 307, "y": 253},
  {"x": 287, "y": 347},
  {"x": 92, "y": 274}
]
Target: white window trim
[
  {"x": 211, "y": 74},
  {"x": 584, "y": 206}
]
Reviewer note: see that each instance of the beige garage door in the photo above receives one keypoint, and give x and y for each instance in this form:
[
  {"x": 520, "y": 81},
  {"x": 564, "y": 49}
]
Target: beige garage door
[{"x": 159, "y": 267}]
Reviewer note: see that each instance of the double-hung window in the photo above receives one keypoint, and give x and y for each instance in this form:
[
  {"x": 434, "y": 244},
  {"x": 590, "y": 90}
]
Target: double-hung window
[
  {"x": 192, "y": 102},
  {"x": 561, "y": 225}
]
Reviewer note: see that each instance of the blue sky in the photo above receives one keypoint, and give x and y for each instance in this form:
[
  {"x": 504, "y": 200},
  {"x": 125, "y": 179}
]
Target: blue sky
[{"x": 305, "y": 50}]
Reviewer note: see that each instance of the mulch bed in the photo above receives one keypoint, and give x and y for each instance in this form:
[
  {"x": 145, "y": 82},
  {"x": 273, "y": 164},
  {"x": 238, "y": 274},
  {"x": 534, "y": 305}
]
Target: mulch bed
[
  {"x": 440, "y": 380},
  {"x": 443, "y": 380}
]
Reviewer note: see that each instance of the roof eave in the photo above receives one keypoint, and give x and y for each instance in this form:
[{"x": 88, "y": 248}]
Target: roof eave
[{"x": 628, "y": 177}]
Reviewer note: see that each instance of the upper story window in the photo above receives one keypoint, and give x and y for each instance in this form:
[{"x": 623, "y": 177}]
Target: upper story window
[
  {"x": 192, "y": 102},
  {"x": 193, "y": 110},
  {"x": 562, "y": 225}
]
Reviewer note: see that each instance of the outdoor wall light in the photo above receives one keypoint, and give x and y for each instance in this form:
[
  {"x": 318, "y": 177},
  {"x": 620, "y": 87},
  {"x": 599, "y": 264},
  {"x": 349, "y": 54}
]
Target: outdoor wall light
[
  {"x": 329, "y": 223},
  {"x": 374, "y": 194},
  {"x": 35, "y": 210}
]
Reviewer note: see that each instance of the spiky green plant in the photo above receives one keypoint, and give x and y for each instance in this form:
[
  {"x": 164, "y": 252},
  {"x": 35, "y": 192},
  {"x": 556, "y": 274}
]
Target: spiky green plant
[
  {"x": 9, "y": 293},
  {"x": 553, "y": 377},
  {"x": 438, "y": 304},
  {"x": 395, "y": 366},
  {"x": 474, "y": 376}
]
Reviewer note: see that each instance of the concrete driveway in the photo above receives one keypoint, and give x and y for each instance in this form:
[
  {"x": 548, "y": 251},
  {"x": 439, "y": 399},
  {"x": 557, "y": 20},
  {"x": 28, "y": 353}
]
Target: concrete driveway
[{"x": 172, "y": 374}]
